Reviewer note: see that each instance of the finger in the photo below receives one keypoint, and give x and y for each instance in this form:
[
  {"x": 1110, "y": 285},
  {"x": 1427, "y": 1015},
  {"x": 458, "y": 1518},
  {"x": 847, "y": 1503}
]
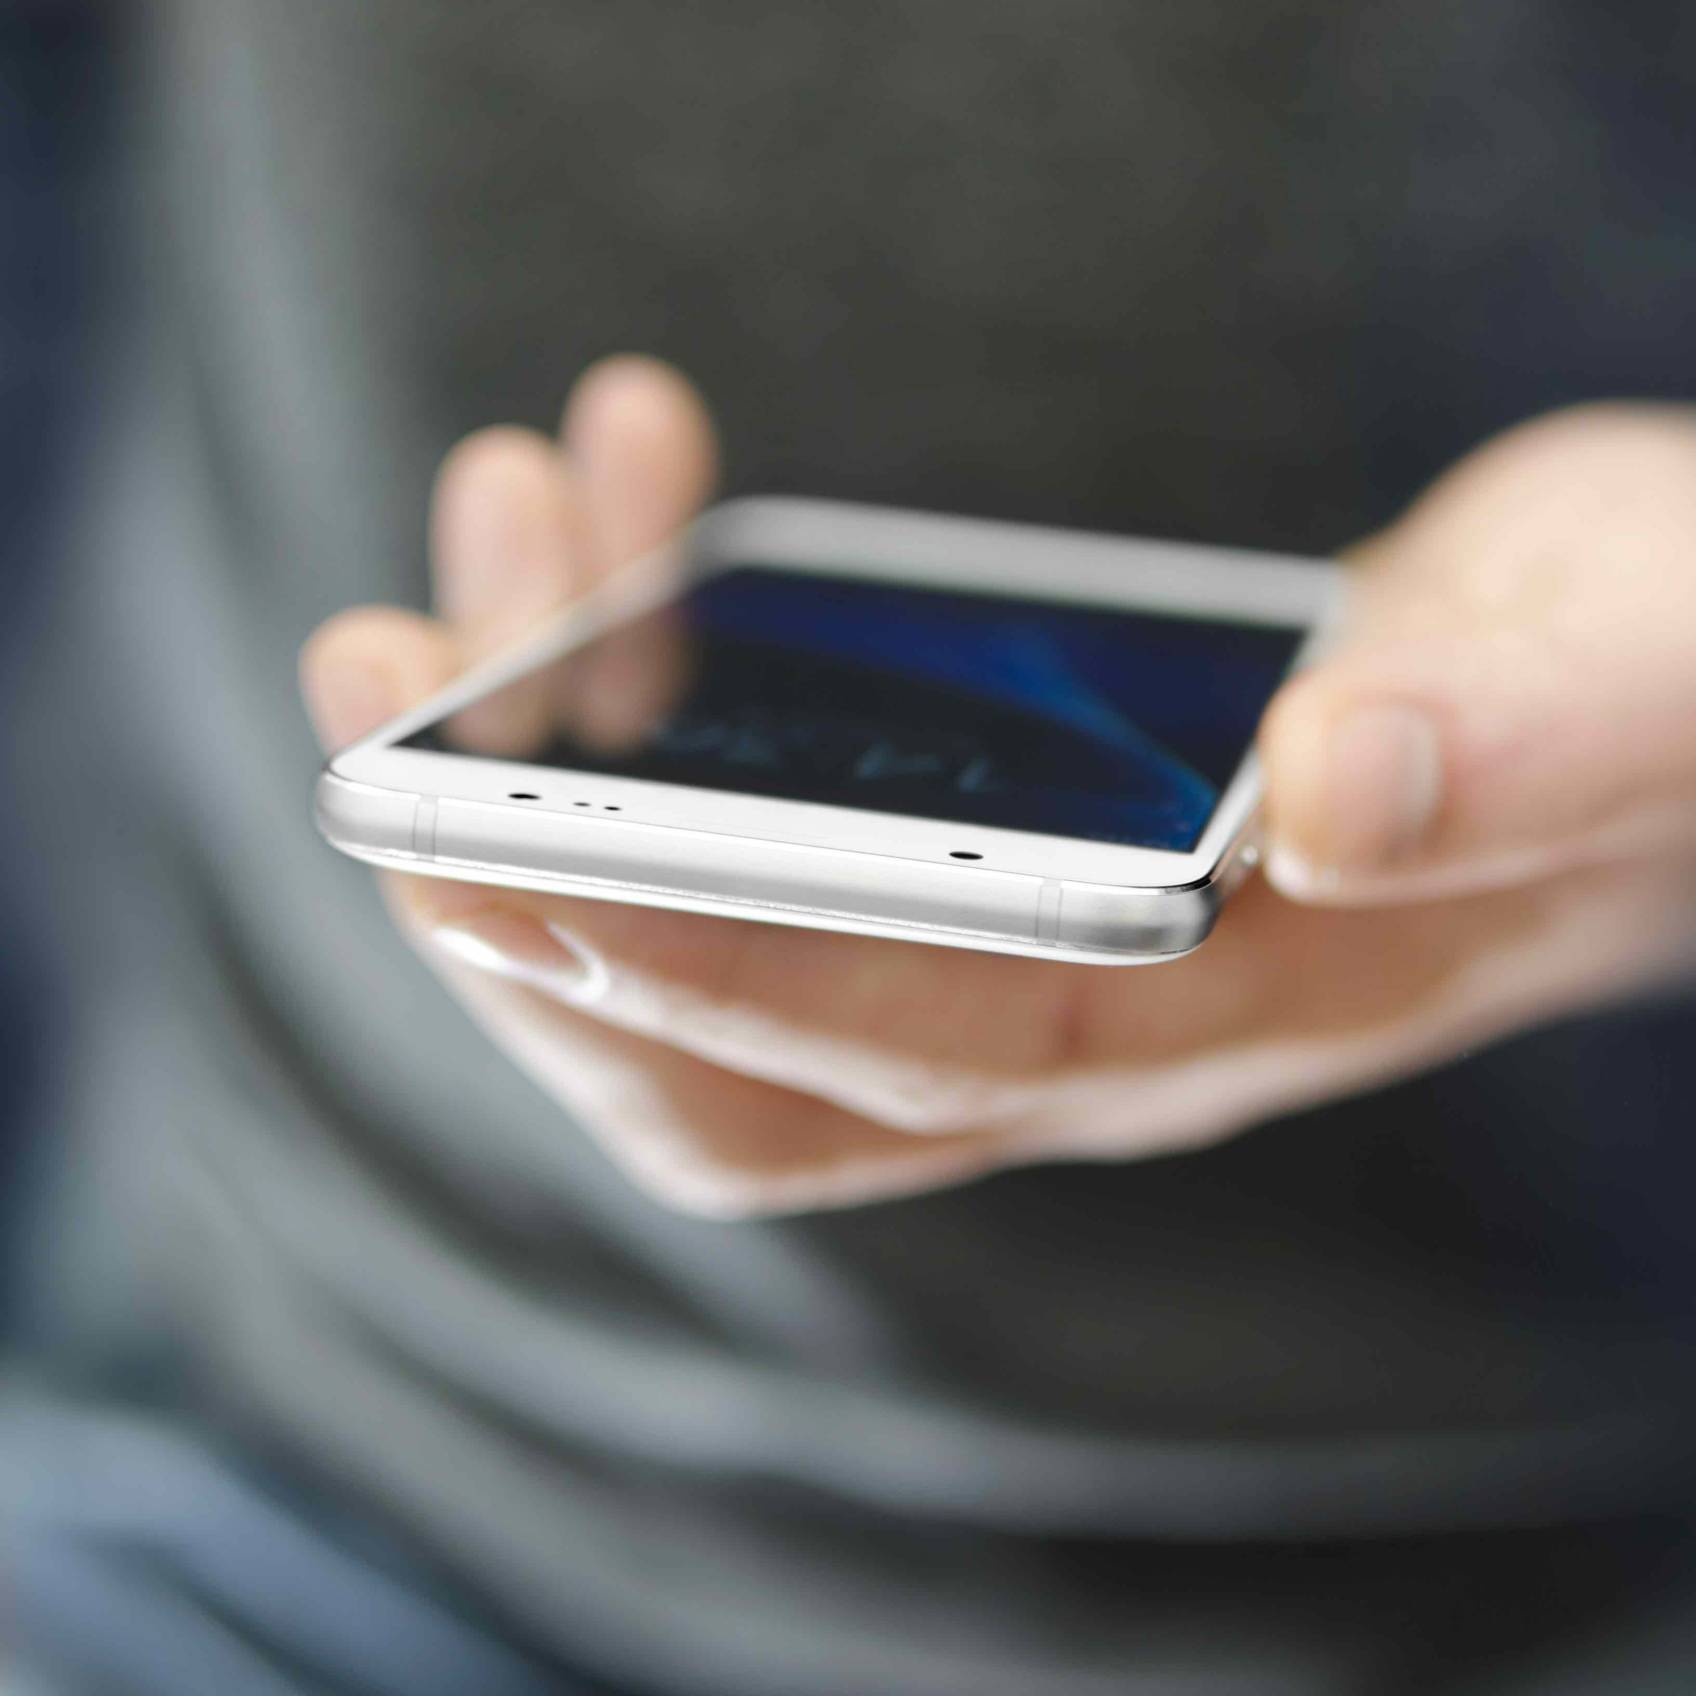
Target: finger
[
  {"x": 643, "y": 441},
  {"x": 933, "y": 1042},
  {"x": 613, "y": 695},
  {"x": 1282, "y": 1006},
  {"x": 702, "y": 1139},
  {"x": 918, "y": 1039},
  {"x": 509, "y": 540},
  {"x": 1351, "y": 998},
  {"x": 364, "y": 666},
  {"x": 645, "y": 445},
  {"x": 1517, "y": 692},
  {"x": 520, "y": 526},
  {"x": 509, "y": 535},
  {"x": 938, "y": 1042}
]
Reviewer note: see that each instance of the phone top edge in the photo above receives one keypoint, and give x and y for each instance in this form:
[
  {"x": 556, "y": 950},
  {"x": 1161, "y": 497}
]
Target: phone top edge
[
  {"x": 898, "y": 838},
  {"x": 819, "y": 888}
]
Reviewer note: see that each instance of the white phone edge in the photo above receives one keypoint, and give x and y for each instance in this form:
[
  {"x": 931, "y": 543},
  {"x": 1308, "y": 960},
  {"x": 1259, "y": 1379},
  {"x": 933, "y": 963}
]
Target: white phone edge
[{"x": 830, "y": 868}]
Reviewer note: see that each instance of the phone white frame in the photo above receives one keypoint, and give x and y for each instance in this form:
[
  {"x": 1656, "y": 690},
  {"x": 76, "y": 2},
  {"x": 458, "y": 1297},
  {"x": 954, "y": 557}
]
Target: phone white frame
[{"x": 830, "y": 867}]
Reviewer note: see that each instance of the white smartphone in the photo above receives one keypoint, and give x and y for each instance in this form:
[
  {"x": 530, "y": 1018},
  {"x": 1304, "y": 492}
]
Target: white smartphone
[{"x": 943, "y": 730}]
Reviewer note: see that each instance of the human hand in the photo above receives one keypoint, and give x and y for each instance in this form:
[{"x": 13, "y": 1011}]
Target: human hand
[{"x": 1481, "y": 806}]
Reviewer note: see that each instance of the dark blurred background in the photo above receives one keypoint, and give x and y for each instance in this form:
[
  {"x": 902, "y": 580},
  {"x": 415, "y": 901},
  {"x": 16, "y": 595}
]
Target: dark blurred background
[{"x": 57, "y": 191}]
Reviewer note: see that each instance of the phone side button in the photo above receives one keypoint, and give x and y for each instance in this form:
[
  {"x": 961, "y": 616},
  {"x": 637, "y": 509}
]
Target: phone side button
[
  {"x": 364, "y": 819},
  {"x": 1048, "y": 910},
  {"x": 424, "y": 828}
]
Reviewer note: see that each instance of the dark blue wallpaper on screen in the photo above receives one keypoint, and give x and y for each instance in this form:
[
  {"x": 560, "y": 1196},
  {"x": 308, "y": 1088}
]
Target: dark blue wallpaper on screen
[{"x": 970, "y": 708}]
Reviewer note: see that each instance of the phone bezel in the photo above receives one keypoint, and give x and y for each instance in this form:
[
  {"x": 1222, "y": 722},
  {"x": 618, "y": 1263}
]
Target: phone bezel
[{"x": 893, "y": 546}]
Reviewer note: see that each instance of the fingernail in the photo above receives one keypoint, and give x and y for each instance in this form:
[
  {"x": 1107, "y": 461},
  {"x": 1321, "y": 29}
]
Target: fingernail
[
  {"x": 1378, "y": 797},
  {"x": 346, "y": 701},
  {"x": 523, "y": 950}
]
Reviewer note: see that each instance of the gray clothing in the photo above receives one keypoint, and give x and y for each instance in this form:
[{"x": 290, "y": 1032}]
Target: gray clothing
[{"x": 1063, "y": 1431}]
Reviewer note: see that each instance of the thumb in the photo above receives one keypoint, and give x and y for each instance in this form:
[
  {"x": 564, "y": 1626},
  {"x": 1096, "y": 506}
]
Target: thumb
[{"x": 1518, "y": 685}]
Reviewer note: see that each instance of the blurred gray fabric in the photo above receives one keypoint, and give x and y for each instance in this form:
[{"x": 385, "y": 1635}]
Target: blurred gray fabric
[
  {"x": 155, "y": 1559},
  {"x": 1067, "y": 1431}
]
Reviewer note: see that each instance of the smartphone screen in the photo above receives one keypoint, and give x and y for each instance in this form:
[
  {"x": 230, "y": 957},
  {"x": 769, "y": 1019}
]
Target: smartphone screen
[{"x": 972, "y": 708}]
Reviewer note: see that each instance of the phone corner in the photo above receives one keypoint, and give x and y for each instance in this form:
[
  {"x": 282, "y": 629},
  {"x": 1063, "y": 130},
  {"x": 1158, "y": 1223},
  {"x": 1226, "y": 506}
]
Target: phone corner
[
  {"x": 361, "y": 818},
  {"x": 1115, "y": 923}
]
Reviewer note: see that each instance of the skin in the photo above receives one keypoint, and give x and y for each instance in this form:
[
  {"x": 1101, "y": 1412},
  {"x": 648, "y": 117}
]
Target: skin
[{"x": 1481, "y": 807}]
